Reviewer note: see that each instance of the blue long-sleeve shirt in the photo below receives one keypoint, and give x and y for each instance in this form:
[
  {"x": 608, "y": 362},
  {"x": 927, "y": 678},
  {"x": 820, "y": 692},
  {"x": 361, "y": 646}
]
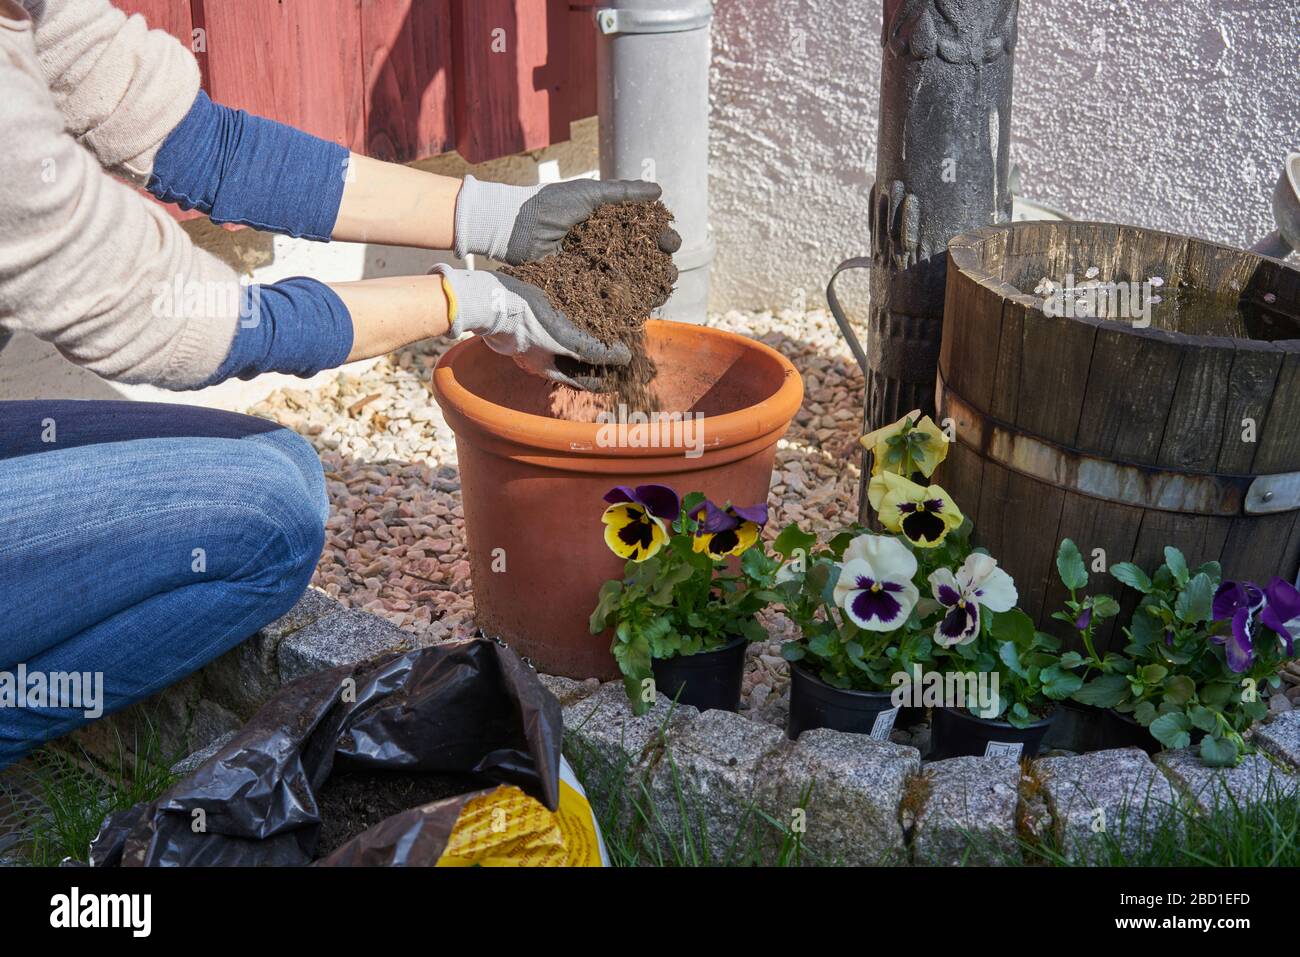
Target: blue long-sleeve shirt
[{"x": 240, "y": 168}]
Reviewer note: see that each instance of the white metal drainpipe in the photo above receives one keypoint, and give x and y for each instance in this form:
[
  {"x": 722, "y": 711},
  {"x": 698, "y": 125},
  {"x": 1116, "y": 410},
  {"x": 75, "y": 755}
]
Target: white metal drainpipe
[{"x": 652, "y": 65}]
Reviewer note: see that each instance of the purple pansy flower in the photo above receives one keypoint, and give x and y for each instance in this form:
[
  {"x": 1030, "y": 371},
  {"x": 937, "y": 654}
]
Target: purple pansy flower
[
  {"x": 727, "y": 531},
  {"x": 1238, "y": 602},
  {"x": 978, "y": 582},
  {"x": 1282, "y": 612},
  {"x": 875, "y": 587}
]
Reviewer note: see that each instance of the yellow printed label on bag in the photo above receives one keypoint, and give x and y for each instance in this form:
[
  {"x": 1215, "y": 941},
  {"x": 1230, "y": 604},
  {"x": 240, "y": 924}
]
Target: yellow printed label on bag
[{"x": 507, "y": 828}]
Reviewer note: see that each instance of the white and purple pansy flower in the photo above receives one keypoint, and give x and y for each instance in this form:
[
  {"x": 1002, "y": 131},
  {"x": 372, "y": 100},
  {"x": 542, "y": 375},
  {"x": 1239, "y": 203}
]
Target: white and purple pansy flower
[
  {"x": 1238, "y": 602},
  {"x": 875, "y": 587},
  {"x": 1282, "y": 612},
  {"x": 639, "y": 520},
  {"x": 727, "y": 531},
  {"x": 978, "y": 583}
]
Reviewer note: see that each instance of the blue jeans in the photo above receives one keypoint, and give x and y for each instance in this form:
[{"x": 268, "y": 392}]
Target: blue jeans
[{"x": 138, "y": 541}]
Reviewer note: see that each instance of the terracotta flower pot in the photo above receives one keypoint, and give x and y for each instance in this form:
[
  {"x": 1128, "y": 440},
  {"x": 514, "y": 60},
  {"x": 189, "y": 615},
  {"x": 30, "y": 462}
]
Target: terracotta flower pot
[{"x": 532, "y": 484}]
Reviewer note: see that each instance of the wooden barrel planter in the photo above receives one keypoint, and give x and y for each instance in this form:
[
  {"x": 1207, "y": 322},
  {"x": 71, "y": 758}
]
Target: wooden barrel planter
[{"x": 1122, "y": 438}]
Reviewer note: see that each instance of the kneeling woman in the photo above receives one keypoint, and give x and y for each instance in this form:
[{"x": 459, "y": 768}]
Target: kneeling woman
[{"x": 140, "y": 541}]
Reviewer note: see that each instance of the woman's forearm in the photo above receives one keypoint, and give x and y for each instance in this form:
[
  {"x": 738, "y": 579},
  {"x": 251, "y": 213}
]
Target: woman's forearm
[
  {"x": 392, "y": 312},
  {"x": 396, "y": 205}
]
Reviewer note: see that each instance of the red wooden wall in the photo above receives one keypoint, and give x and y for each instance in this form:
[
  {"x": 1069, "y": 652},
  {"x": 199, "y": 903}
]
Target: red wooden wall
[{"x": 396, "y": 79}]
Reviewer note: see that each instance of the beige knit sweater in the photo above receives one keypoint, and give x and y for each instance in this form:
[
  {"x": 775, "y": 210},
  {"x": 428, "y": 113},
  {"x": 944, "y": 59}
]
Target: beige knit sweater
[{"x": 86, "y": 262}]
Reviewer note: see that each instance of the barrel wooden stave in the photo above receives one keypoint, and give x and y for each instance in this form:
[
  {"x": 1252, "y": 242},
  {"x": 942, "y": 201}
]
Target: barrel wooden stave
[{"x": 1143, "y": 396}]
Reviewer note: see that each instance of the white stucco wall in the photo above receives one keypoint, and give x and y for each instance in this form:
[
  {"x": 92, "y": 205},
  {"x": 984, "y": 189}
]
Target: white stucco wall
[{"x": 1173, "y": 114}]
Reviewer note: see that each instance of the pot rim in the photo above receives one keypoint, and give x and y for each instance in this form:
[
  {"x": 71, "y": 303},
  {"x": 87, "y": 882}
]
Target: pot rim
[
  {"x": 770, "y": 415},
  {"x": 701, "y": 654},
  {"x": 809, "y": 676},
  {"x": 1001, "y": 725}
]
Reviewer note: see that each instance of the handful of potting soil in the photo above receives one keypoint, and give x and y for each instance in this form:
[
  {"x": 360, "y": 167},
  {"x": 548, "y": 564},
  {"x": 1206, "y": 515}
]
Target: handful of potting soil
[{"x": 611, "y": 272}]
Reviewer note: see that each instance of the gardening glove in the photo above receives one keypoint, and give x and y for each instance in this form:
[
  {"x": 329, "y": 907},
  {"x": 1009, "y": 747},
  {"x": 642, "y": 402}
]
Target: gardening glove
[
  {"x": 516, "y": 319},
  {"x": 519, "y": 223}
]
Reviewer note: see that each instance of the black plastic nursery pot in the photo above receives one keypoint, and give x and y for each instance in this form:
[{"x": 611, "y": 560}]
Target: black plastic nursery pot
[
  {"x": 1121, "y": 730},
  {"x": 815, "y": 704},
  {"x": 1124, "y": 731},
  {"x": 955, "y": 733},
  {"x": 709, "y": 680},
  {"x": 1077, "y": 727}
]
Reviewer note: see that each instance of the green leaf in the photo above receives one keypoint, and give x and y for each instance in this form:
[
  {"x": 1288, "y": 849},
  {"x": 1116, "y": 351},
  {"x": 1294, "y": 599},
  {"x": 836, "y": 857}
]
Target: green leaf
[
  {"x": 1172, "y": 729},
  {"x": 793, "y": 538},
  {"x": 1153, "y": 674},
  {"x": 840, "y": 542},
  {"x": 1058, "y": 683},
  {"x": 633, "y": 659},
  {"x": 1112, "y": 662},
  {"x": 1071, "y": 659},
  {"x": 1145, "y": 627},
  {"x": 606, "y": 605},
  {"x": 1179, "y": 689},
  {"x": 823, "y": 645},
  {"x": 1144, "y": 713},
  {"x": 1132, "y": 575},
  {"x": 820, "y": 580},
  {"x": 1104, "y": 691},
  {"x": 1217, "y": 694},
  {"x": 1218, "y": 752},
  {"x": 1177, "y": 564},
  {"x": 1103, "y": 606},
  {"x": 1069, "y": 563},
  {"x": 754, "y": 630},
  {"x": 1011, "y": 658},
  {"x": 1195, "y": 602},
  {"x": 1213, "y": 571},
  {"x": 1013, "y": 626},
  {"x": 793, "y": 651}
]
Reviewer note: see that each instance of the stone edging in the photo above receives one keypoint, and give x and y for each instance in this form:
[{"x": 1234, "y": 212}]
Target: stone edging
[
  {"x": 871, "y": 802},
  {"x": 876, "y": 802}
]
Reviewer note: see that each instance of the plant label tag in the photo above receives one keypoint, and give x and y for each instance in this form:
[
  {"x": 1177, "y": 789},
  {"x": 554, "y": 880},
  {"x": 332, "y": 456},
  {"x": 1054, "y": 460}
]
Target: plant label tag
[
  {"x": 1002, "y": 749},
  {"x": 884, "y": 724}
]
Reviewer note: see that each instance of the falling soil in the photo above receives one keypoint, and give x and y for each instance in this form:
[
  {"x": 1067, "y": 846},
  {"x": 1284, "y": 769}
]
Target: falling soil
[
  {"x": 352, "y": 801},
  {"x": 607, "y": 277}
]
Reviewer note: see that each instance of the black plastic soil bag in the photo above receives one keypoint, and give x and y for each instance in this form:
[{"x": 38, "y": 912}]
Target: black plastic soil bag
[{"x": 470, "y": 707}]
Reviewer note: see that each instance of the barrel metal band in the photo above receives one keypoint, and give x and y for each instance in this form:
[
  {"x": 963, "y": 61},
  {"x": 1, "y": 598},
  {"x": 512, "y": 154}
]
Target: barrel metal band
[{"x": 1141, "y": 486}]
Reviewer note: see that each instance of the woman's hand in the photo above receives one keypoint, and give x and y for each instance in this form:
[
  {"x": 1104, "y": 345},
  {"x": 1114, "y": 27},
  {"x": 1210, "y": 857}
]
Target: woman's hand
[
  {"x": 516, "y": 319},
  {"x": 520, "y": 223}
]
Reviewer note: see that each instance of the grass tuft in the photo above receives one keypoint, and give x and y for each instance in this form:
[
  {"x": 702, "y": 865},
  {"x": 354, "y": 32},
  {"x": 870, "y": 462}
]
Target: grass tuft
[{"x": 73, "y": 795}]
